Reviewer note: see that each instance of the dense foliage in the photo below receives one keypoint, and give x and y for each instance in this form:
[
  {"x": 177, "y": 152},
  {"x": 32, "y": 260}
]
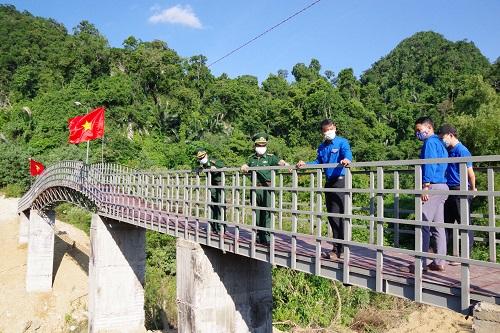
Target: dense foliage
[{"x": 161, "y": 106}]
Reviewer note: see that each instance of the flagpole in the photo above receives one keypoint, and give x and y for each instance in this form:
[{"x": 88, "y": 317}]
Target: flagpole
[
  {"x": 87, "y": 160},
  {"x": 102, "y": 148}
]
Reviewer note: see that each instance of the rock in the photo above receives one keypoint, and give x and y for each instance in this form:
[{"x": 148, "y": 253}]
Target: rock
[{"x": 72, "y": 328}]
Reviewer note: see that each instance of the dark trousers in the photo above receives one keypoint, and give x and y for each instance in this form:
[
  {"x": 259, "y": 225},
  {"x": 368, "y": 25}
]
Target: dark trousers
[
  {"x": 452, "y": 214},
  {"x": 263, "y": 217},
  {"x": 216, "y": 196},
  {"x": 335, "y": 204}
]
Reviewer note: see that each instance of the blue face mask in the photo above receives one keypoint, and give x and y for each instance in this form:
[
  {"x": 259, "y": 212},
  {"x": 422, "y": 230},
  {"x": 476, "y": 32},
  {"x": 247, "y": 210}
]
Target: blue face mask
[
  {"x": 422, "y": 135},
  {"x": 446, "y": 143}
]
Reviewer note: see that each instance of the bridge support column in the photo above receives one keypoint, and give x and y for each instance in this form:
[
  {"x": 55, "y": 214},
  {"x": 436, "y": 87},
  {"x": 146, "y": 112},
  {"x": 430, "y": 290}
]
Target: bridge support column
[
  {"x": 219, "y": 292},
  {"x": 23, "y": 227},
  {"x": 116, "y": 276},
  {"x": 40, "y": 251}
]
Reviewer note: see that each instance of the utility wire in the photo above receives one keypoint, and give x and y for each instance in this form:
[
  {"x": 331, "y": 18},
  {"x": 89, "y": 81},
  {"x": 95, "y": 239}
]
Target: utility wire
[{"x": 263, "y": 33}]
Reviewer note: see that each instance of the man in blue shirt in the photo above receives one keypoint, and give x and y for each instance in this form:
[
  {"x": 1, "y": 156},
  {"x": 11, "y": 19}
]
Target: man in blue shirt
[
  {"x": 452, "y": 205},
  {"x": 334, "y": 149},
  {"x": 433, "y": 178}
]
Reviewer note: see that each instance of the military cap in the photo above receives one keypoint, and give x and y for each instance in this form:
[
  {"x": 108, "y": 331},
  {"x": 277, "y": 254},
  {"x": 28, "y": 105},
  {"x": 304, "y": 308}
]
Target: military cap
[
  {"x": 260, "y": 138},
  {"x": 200, "y": 153}
]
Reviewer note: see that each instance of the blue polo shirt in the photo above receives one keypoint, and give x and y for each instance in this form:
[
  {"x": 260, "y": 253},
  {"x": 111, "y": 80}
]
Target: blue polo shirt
[
  {"x": 453, "y": 170},
  {"x": 433, "y": 148},
  {"x": 333, "y": 152}
]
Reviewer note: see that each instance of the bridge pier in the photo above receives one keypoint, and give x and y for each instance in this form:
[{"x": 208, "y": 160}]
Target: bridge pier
[
  {"x": 40, "y": 251},
  {"x": 116, "y": 276},
  {"x": 24, "y": 219},
  {"x": 219, "y": 292}
]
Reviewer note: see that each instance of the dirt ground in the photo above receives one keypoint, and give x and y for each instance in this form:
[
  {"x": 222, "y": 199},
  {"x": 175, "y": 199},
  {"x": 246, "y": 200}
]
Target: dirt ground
[
  {"x": 65, "y": 308},
  {"x": 434, "y": 320}
]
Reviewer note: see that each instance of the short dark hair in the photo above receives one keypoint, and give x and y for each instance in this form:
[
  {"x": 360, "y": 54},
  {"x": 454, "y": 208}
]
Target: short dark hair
[
  {"x": 448, "y": 129},
  {"x": 326, "y": 122},
  {"x": 425, "y": 121}
]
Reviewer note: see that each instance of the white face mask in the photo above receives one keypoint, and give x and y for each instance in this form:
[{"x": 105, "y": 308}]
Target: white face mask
[
  {"x": 204, "y": 160},
  {"x": 260, "y": 150},
  {"x": 329, "y": 135}
]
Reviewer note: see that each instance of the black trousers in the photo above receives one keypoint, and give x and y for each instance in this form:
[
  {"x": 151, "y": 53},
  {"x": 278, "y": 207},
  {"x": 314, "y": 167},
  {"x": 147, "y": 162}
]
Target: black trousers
[
  {"x": 452, "y": 215},
  {"x": 335, "y": 204},
  {"x": 216, "y": 196}
]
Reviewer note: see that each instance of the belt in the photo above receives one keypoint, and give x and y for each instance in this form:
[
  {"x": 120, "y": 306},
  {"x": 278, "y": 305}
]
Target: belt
[{"x": 265, "y": 184}]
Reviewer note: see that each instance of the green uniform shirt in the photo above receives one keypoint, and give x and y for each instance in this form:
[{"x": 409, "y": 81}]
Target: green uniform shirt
[
  {"x": 263, "y": 176},
  {"x": 216, "y": 176}
]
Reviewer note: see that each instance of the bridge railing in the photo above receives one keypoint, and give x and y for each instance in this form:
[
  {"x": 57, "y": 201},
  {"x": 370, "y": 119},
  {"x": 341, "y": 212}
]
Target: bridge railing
[
  {"x": 384, "y": 197},
  {"x": 382, "y": 210}
]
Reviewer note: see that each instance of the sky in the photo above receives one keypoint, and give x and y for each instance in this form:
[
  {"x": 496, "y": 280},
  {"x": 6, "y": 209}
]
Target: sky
[{"x": 339, "y": 33}]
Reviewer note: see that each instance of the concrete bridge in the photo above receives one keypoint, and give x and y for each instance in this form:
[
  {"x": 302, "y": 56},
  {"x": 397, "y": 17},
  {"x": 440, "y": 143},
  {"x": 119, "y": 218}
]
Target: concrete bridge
[{"x": 224, "y": 279}]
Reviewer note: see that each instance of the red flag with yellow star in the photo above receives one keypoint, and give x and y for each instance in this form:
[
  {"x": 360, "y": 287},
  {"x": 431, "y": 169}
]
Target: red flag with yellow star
[
  {"x": 87, "y": 127},
  {"x": 36, "y": 168}
]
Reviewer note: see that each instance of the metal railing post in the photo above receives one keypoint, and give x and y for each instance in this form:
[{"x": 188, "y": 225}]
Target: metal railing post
[
  {"x": 464, "y": 220},
  {"x": 396, "y": 209},
  {"x": 280, "y": 203},
  {"x": 379, "y": 274},
  {"x": 294, "y": 218},
  {"x": 348, "y": 195},
  {"x": 319, "y": 225},
  {"x": 238, "y": 212},
  {"x": 222, "y": 210},
  {"x": 253, "y": 195},
  {"x": 273, "y": 218},
  {"x": 208, "y": 209},
  {"x": 492, "y": 246},
  {"x": 311, "y": 203},
  {"x": 372, "y": 208},
  {"x": 185, "y": 205},
  {"x": 418, "y": 234}
]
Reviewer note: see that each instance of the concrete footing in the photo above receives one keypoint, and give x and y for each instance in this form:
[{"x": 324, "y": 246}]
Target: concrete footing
[
  {"x": 486, "y": 318},
  {"x": 221, "y": 293},
  {"x": 40, "y": 251},
  {"x": 24, "y": 227},
  {"x": 116, "y": 276}
]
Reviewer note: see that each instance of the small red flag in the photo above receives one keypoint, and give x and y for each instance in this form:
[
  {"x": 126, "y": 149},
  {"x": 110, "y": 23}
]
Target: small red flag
[
  {"x": 36, "y": 168},
  {"x": 87, "y": 127}
]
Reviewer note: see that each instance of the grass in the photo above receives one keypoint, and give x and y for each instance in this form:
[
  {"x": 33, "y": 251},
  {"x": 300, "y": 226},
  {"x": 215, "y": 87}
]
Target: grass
[
  {"x": 75, "y": 216},
  {"x": 13, "y": 191}
]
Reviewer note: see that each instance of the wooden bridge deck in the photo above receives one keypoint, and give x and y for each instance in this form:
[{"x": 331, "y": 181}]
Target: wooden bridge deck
[{"x": 440, "y": 288}]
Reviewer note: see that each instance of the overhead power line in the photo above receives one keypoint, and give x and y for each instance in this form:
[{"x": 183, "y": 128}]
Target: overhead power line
[{"x": 265, "y": 32}]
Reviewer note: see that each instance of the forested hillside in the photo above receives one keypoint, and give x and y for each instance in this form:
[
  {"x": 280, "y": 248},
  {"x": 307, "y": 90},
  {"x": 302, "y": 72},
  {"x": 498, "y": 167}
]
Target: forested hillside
[{"x": 161, "y": 107}]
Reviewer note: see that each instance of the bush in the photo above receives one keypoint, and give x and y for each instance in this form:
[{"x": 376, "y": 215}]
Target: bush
[
  {"x": 75, "y": 216},
  {"x": 13, "y": 191}
]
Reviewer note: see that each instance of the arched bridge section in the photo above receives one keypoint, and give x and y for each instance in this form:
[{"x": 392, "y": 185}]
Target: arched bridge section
[{"x": 383, "y": 227}]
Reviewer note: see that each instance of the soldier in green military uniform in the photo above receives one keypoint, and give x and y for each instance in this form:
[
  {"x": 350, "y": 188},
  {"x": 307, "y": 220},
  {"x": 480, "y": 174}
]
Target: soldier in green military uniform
[
  {"x": 215, "y": 193},
  {"x": 258, "y": 159}
]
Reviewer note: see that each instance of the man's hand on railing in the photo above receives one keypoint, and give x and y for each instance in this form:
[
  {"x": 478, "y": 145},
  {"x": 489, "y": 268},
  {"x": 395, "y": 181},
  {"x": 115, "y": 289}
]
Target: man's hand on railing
[
  {"x": 244, "y": 168},
  {"x": 284, "y": 163},
  {"x": 345, "y": 162},
  {"x": 300, "y": 164}
]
